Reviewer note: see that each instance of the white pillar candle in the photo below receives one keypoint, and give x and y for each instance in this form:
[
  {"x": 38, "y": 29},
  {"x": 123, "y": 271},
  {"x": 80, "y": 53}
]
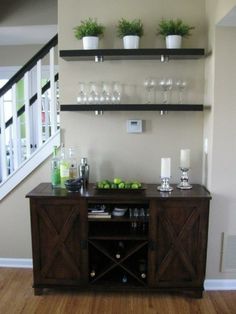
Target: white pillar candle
[
  {"x": 185, "y": 158},
  {"x": 165, "y": 167}
]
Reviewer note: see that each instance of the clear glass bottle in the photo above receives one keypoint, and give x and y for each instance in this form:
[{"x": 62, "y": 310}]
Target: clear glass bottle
[
  {"x": 84, "y": 171},
  {"x": 64, "y": 167},
  {"x": 73, "y": 167},
  {"x": 55, "y": 169}
]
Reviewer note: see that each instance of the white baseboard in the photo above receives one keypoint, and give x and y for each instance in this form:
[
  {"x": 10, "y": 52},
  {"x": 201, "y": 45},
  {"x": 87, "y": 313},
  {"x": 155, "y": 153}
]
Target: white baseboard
[
  {"x": 220, "y": 284},
  {"x": 16, "y": 262}
]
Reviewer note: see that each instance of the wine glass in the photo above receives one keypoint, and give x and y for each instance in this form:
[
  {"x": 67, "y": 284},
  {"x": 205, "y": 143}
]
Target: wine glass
[
  {"x": 105, "y": 96},
  {"x": 166, "y": 86},
  {"x": 116, "y": 93},
  {"x": 82, "y": 97},
  {"x": 149, "y": 84},
  {"x": 93, "y": 93},
  {"x": 181, "y": 85}
]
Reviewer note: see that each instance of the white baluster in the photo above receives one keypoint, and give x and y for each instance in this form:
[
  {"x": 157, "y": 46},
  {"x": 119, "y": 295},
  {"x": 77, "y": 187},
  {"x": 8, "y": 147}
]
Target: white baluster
[
  {"x": 47, "y": 120},
  {"x": 3, "y": 141},
  {"x": 11, "y": 154},
  {"x": 15, "y": 130},
  {"x": 53, "y": 103},
  {"x": 39, "y": 103},
  {"x": 27, "y": 114}
]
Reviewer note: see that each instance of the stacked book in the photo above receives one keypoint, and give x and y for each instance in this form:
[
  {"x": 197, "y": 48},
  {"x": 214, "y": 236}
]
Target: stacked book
[{"x": 98, "y": 213}]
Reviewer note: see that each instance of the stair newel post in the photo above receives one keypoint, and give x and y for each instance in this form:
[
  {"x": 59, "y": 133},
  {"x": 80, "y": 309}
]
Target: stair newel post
[
  {"x": 53, "y": 104},
  {"x": 15, "y": 131},
  {"x": 3, "y": 153},
  {"x": 39, "y": 104}
]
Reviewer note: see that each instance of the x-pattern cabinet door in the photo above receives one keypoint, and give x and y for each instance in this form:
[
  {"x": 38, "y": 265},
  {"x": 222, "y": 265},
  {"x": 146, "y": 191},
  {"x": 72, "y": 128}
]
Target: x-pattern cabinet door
[
  {"x": 178, "y": 238},
  {"x": 59, "y": 238}
]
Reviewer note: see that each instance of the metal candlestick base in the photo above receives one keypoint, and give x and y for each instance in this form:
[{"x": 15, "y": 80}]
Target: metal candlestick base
[
  {"x": 165, "y": 185},
  {"x": 184, "y": 184}
]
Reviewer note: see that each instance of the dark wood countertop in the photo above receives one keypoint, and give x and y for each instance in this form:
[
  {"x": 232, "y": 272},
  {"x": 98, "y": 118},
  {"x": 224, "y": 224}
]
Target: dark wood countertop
[{"x": 45, "y": 190}]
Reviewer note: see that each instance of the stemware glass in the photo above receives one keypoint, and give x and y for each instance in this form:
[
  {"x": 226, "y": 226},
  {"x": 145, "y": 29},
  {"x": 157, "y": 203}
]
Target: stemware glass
[
  {"x": 82, "y": 97},
  {"x": 105, "y": 96},
  {"x": 93, "y": 93},
  {"x": 166, "y": 86},
  {"x": 149, "y": 84},
  {"x": 116, "y": 93},
  {"x": 181, "y": 85}
]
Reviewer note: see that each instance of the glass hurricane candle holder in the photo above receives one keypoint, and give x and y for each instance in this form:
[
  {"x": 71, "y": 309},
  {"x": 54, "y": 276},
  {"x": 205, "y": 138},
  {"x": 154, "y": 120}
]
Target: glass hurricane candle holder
[{"x": 184, "y": 180}]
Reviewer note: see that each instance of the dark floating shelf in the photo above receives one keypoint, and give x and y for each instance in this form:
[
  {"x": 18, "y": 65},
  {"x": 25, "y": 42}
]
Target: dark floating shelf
[
  {"x": 132, "y": 54},
  {"x": 133, "y": 107}
]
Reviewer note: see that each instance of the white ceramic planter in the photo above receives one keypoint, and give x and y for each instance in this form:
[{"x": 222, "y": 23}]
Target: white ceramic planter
[
  {"x": 173, "y": 41},
  {"x": 131, "y": 42},
  {"x": 90, "y": 42}
]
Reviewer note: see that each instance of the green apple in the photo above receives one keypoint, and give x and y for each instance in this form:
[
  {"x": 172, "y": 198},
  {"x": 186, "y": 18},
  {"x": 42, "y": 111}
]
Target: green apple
[
  {"x": 121, "y": 185},
  {"x": 117, "y": 180}
]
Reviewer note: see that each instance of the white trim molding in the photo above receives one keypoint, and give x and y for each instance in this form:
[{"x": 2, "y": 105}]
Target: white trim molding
[
  {"x": 29, "y": 165},
  {"x": 16, "y": 262},
  {"x": 220, "y": 284}
]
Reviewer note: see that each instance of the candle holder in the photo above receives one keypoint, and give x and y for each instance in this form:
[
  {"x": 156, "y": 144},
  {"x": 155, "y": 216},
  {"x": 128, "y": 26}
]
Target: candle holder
[
  {"x": 184, "y": 184},
  {"x": 165, "y": 185}
]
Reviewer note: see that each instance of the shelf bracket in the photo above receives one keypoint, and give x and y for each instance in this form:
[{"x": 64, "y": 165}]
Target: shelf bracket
[
  {"x": 163, "y": 112},
  {"x": 99, "y": 59},
  {"x": 98, "y": 112},
  {"x": 164, "y": 58}
]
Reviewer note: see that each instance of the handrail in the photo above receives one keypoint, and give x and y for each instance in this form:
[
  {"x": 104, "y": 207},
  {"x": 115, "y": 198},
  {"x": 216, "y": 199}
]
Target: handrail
[{"x": 29, "y": 65}]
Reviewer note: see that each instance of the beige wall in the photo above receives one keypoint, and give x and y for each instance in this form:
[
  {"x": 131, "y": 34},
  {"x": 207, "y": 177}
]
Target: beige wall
[
  {"x": 15, "y": 236},
  {"x": 17, "y": 55},
  {"x": 29, "y": 12},
  {"x": 111, "y": 151}
]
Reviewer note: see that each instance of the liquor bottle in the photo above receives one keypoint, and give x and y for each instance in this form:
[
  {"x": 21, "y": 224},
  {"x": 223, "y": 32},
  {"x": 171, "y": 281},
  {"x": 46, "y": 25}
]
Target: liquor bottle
[
  {"x": 142, "y": 268},
  {"x": 64, "y": 167},
  {"x": 84, "y": 171},
  {"x": 55, "y": 169},
  {"x": 73, "y": 168},
  {"x": 120, "y": 252}
]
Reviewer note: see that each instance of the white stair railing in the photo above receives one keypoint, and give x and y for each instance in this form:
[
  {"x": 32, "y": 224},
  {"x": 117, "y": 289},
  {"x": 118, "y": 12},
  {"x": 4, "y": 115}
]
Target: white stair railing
[{"x": 29, "y": 111}]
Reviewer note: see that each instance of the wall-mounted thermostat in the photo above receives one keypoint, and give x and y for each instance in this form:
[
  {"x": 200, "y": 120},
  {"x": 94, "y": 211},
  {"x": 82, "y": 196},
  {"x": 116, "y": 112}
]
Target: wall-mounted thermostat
[{"x": 134, "y": 126}]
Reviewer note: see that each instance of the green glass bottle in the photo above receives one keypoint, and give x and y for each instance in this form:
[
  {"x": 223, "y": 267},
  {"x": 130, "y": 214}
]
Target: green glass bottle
[
  {"x": 64, "y": 167},
  {"x": 55, "y": 169}
]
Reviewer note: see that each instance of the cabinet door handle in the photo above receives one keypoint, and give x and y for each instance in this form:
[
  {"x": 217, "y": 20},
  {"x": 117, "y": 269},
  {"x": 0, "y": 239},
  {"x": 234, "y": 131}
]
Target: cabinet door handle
[
  {"x": 84, "y": 244},
  {"x": 152, "y": 245}
]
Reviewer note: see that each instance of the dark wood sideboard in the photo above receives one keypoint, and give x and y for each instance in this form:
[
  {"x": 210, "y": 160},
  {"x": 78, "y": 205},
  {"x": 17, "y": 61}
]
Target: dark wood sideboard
[{"x": 163, "y": 250}]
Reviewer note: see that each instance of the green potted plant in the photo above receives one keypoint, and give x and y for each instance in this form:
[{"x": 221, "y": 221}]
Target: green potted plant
[
  {"x": 89, "y": 31},
  {"x": 174, "y": 31},
  {"x": 130, "y": 31}
]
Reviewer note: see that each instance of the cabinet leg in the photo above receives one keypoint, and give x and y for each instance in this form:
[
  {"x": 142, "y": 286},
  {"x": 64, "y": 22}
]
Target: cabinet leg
[{"x": 38, "y": 291}]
